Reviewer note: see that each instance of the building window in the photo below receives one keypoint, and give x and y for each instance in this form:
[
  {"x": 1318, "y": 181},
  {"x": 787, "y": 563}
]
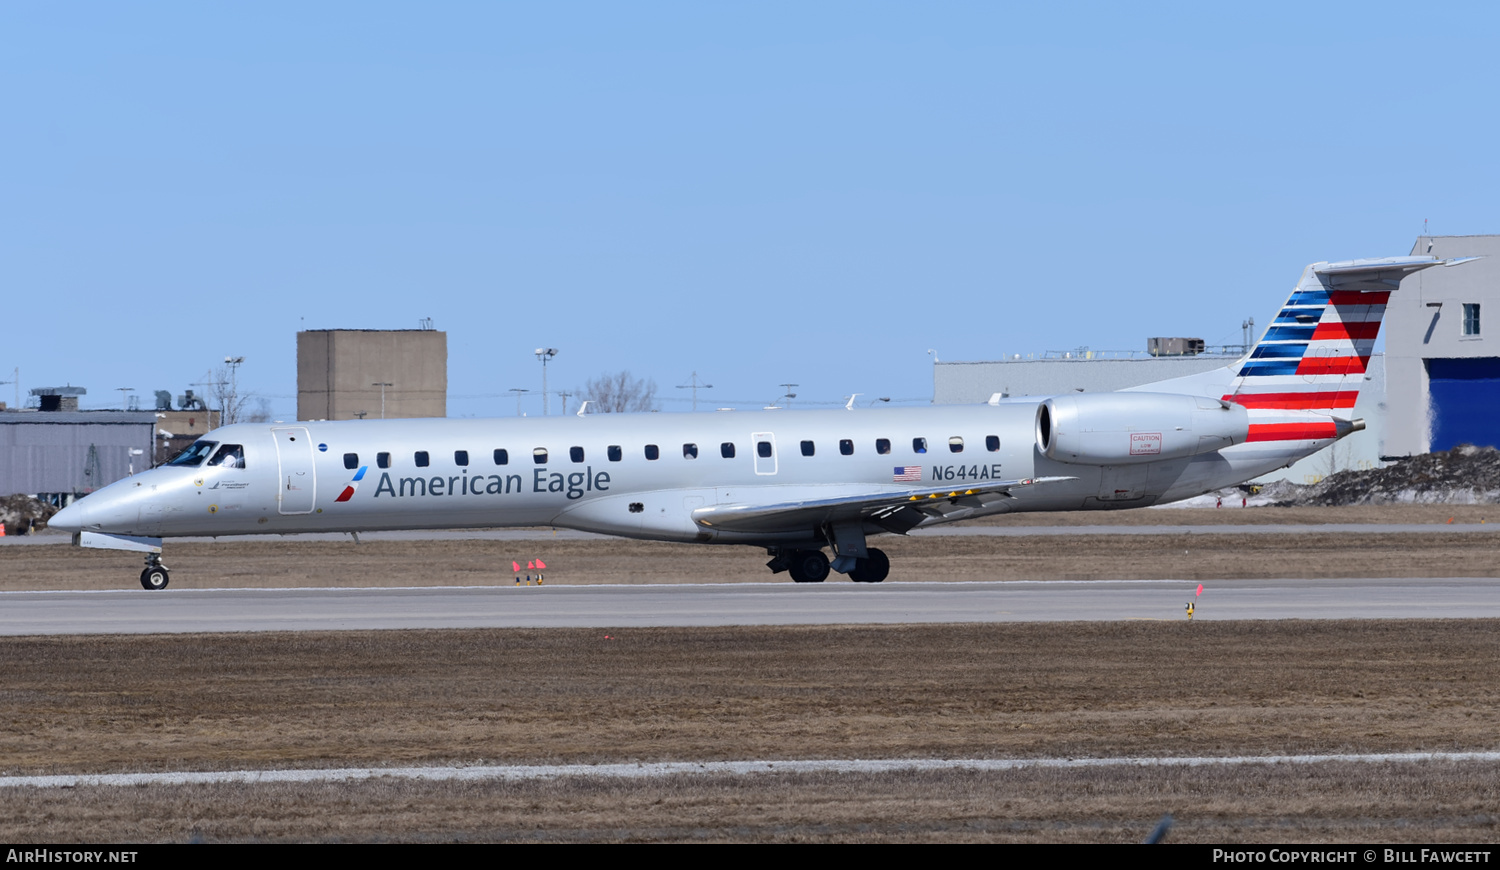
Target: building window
[
  {"x": 1471, "y": 318},
  {"x": 726, "y": 450},
  {"x": 421, "y": 457},
  {"x": 615, "y": 453},
  {"x": 502, "y": 457},
  {"x": 575, "y": 454},
  {"x": 351, "y": 460},
  {"x": 461, "y": 458}
]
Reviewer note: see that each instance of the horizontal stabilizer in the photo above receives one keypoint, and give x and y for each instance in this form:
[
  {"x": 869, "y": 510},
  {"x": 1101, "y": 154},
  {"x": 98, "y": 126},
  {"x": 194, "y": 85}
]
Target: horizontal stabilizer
[{"x": 1377, "y": 274}]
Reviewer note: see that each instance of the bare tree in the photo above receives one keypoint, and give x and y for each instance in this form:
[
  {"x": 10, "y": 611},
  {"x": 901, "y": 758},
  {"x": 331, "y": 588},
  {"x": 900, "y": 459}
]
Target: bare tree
[
  {"x": 227, "y": 395},
  {"x": 262, "y": 412},
  {"x": 619, "y": 393}
]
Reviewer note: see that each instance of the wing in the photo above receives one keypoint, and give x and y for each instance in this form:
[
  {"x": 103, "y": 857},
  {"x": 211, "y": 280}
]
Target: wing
[{"x": 895, "y": 510}]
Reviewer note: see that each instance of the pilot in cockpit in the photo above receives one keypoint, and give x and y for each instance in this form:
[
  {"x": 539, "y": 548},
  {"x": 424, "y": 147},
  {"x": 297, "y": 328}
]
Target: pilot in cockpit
[{"x": 229, "y": 456}]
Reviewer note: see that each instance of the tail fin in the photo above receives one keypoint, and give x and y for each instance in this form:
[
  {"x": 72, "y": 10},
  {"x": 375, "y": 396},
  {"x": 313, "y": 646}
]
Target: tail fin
[{"x": 1302, "y": 379}]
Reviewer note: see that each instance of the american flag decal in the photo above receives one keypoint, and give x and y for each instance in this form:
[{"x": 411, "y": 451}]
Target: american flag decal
[{"x": 907, "y": 472}]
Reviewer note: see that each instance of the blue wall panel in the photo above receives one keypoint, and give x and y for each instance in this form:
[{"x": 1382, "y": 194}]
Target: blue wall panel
[{"x": 1465, "y": 396}]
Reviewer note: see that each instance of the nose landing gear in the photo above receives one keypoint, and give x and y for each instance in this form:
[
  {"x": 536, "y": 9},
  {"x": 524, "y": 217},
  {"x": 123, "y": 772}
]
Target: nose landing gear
[{"x": 155, "y": 576}]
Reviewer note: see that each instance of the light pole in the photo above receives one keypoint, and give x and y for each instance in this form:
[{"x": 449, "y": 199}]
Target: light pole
[
  {"x": 124, "y": 397},
  {"x": 518, "y": 391},
  {"x": 695, "y": 387},
  {"x": 231, "y": 404},
  {"x": 544, "y": 354},
  {"x": 789, "y": 394},
  {"x": 17, "y": 382},
  {"x": 382, "y": 385}
]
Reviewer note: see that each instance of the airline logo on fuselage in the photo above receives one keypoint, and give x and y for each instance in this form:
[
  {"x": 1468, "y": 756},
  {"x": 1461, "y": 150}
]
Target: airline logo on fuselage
[{"x": 573, "y": 485}]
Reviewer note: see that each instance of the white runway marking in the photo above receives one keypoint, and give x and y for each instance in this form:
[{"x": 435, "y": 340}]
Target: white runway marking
[{"x": 707, "y": 768}]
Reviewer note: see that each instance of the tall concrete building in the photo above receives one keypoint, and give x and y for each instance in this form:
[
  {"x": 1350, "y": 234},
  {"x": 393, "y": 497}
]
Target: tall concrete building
[
  {"x": 1443, "y": 350},
  {"x": 347, "y": 374}
]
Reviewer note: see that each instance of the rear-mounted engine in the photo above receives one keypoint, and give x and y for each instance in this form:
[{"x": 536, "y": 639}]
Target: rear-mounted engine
[{"x": 1124, "y": 428}]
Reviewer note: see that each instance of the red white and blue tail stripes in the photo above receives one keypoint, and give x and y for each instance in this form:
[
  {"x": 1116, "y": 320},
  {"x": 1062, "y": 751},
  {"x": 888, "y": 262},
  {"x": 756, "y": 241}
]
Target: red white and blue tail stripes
[{"x": 1302, "y": 380}]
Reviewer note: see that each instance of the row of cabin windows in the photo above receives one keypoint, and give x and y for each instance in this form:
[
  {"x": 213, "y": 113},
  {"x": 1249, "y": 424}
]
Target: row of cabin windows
[{"x": 689, "y": 451}]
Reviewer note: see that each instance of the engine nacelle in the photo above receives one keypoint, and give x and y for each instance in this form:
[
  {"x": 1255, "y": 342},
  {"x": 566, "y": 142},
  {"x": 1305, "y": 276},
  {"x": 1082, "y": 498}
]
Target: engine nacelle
[{"x": 1126, "y": 428}]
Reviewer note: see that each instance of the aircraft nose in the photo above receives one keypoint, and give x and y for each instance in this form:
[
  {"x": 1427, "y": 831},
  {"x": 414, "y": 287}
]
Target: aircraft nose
[
  {"x": 107, "y": 510},
  {"x": 71, "y": 518}
]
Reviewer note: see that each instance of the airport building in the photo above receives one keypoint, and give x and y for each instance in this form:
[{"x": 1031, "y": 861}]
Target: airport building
[
  {"x": 349, "y": 374},
  {"x": 58, "y": 451},
  {"x": 1443, "y": 358}
]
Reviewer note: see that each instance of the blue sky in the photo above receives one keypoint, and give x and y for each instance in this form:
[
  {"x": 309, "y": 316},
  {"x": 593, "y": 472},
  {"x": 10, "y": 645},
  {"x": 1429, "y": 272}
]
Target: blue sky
[{"x": 762, "y": 193}]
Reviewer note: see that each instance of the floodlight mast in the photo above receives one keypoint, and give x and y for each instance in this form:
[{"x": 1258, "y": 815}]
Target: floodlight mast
[{"x": 544, "y": 354}]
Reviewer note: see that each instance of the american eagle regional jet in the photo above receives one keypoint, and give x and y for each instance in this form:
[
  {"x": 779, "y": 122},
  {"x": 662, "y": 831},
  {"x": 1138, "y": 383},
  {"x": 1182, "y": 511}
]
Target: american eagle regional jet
[{"x": 793, "y": 482}]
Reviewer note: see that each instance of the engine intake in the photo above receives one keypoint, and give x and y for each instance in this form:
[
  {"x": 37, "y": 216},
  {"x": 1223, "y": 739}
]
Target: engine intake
[{"x": 1127, "y": 428}]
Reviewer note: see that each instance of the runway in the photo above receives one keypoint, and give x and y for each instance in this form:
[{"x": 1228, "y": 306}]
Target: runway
[{"x": 252, "y": 610}]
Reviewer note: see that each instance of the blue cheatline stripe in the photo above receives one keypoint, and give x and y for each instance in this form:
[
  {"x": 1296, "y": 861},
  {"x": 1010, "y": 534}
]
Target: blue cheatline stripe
[
  {"x": 1279, "y": 351},
  {"x": 1298, "y": 332},
  {"x": 358, "y": 475},
  {"x": 1308, "y": 297},
  {"x": 1262, "y": 368}
]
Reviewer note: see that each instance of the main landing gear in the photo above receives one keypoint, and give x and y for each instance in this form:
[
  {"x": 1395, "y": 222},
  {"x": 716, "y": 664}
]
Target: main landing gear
[
  {"x": 155, "y": 576},
  {"x": 811, "y": 566}
]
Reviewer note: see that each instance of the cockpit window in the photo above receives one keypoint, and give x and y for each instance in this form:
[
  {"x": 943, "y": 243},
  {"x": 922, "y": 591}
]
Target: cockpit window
[
  {"x": 194, "y": 456},
  {"x": 229, "y": 456}
]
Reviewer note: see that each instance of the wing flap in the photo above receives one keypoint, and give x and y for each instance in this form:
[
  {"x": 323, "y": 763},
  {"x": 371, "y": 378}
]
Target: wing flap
[{"x": 896, "y": 511}]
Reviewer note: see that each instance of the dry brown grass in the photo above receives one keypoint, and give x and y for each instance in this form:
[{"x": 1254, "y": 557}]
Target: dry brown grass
[{"x": 107, "y": 704}]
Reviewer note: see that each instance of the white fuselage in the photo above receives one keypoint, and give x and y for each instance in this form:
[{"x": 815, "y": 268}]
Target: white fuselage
[{"x": 596, "y": 472}]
